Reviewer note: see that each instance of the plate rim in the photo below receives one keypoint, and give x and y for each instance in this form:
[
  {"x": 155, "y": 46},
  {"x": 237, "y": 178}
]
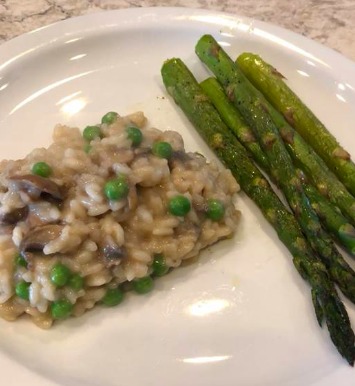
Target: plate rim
[{"x": 13, "y": 47}]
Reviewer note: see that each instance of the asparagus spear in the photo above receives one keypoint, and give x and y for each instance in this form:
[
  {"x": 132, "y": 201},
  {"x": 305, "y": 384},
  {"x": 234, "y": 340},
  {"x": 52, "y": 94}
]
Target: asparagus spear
[
  {"x": 233, "y": 119},
  {"x": 270, "y": 82},
  {"x": 315, "y": 168},
  {"x": 330, "y": 216},
  {"x": 249, "y": 102},
  {"x": 187, "y": 93},
  {"x": 333, "y": 221}
]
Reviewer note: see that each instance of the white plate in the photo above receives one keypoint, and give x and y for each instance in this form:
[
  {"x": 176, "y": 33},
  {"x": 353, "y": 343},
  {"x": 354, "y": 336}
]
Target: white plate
[{"x": 242, "y": 315}]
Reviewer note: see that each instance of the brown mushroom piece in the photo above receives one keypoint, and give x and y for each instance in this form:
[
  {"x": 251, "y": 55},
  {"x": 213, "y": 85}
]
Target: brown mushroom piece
[
  {"x": 36, "y": 186},
  {"x": 112, "y": 254},
  {"x": 38, "y": 238},
  {"x": 13, "y": 217},
  {"x": 178, "y": 158}
]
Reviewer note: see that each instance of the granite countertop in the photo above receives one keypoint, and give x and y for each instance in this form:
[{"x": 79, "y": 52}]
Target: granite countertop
[{"x": 329, "y": 22}]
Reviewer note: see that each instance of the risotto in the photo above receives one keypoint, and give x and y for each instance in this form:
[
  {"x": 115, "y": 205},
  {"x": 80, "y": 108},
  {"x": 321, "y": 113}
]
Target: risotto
[{"x": 102, "y": 212}]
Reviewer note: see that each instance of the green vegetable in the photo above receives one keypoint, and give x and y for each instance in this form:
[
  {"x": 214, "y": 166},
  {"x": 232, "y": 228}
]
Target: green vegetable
[
  {"x": 41, "y": 169},
  {"x": 135, "y": 135},
  {"x": 20, "y": 261},
  {"x": 310, "y": 162},
  {"x": 162, "y": 149},
  {"x": 215, "y": 209},
  {"x": 109, "y": 117},
  {"x": 22, "y": 290},
  {"x": 233, "y": 119},
  {"x": 92, "y": 132},
  {"x": 61, "y": 309},
  {"x": 187, "y": 93},
  {"x": 116, "y": 189},
  {"x": 143, "y": 285},
  {"x": 159, "y": 265},
  {"x": 76, "y": 282},
  {"x": 113, "y": 297},
  {"x": 331, "y": 217},
  {"x": 60, "y": 274},
  {"x": 303, "y": 156},
  {"x": 249, "y": 102},
  {"x": 179, "y": 205},
  {"x": 271, "y": 83},
  {"x": 315, "y": 168}
]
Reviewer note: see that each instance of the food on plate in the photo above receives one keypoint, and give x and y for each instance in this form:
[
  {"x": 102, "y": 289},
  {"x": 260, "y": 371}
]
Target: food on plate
[
  {"x": 233, "y": 119},
  {"x": 313, "y": 165},
  {"x": 331, "y": 217},
  {"x": 189, "y": 95},
  {"x": 102, "y": 211},
  {"x": 255, "y": 112},
  {"x": 271, "y": 83}
]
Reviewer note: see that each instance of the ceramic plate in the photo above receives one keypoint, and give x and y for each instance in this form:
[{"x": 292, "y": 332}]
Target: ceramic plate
[{"x": 239, "y": 316}]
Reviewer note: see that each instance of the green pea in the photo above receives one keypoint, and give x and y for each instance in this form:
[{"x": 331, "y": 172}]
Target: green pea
[
  {"x": 60, "y": 275},
  {"x": 135, "y": 135},
  {"x": 179, "y": 205},
  {"x": 41, "y": 169},
  {"x": 113, "y": 297},
  {"x": 116, "y": 189},
  {"x": 162, "y": 149},
  {"x": 61, "y": 309},
  {"x": 92, "y": 132},
  {"x": 22, "y": 290},
  {"x": 143, "y": 285},
  {"x": 76, "y": 282},
  {"x": 109, "y": 117},
  {"x": 20, "y": 261},
  {"x": 215, "y": 209},
  {"x": 159, "y": 266}
]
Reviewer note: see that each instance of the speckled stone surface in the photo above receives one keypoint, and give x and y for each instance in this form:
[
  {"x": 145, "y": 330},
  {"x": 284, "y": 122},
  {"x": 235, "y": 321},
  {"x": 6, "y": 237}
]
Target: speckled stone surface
[{"x": 330, "y": 22}]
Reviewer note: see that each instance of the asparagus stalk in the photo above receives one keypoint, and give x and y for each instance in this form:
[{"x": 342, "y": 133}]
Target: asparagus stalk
[
  {"x": 233, "y": 119},
  {"x": 270, "y": 82},
  {"x": 249, "y": 102},
  {"x": 333, "y": 221},
  {"x": 187, "y": 93},
  {"x": 309, "y": 161},
  {"x": 314, "y": 166},
  {"x": 331, "y": 216}
]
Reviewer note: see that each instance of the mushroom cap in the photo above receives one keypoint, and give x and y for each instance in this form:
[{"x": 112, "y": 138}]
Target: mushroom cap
[
  {"x": 37, "y": 238},
  {"x": 16, "y": 215},
  {"x": 35, "y": 185},
  {"x": 112, "y": 254}
]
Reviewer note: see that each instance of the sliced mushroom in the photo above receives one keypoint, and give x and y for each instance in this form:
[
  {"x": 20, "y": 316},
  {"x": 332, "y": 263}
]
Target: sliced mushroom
[
  {"x": 38, "y": 238},
  {"x": 112, "y": 254},
  {"x": 13, "y": 217},
  {"x": 35, "y": 186},
  {"x": 178, "y": 158}
]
